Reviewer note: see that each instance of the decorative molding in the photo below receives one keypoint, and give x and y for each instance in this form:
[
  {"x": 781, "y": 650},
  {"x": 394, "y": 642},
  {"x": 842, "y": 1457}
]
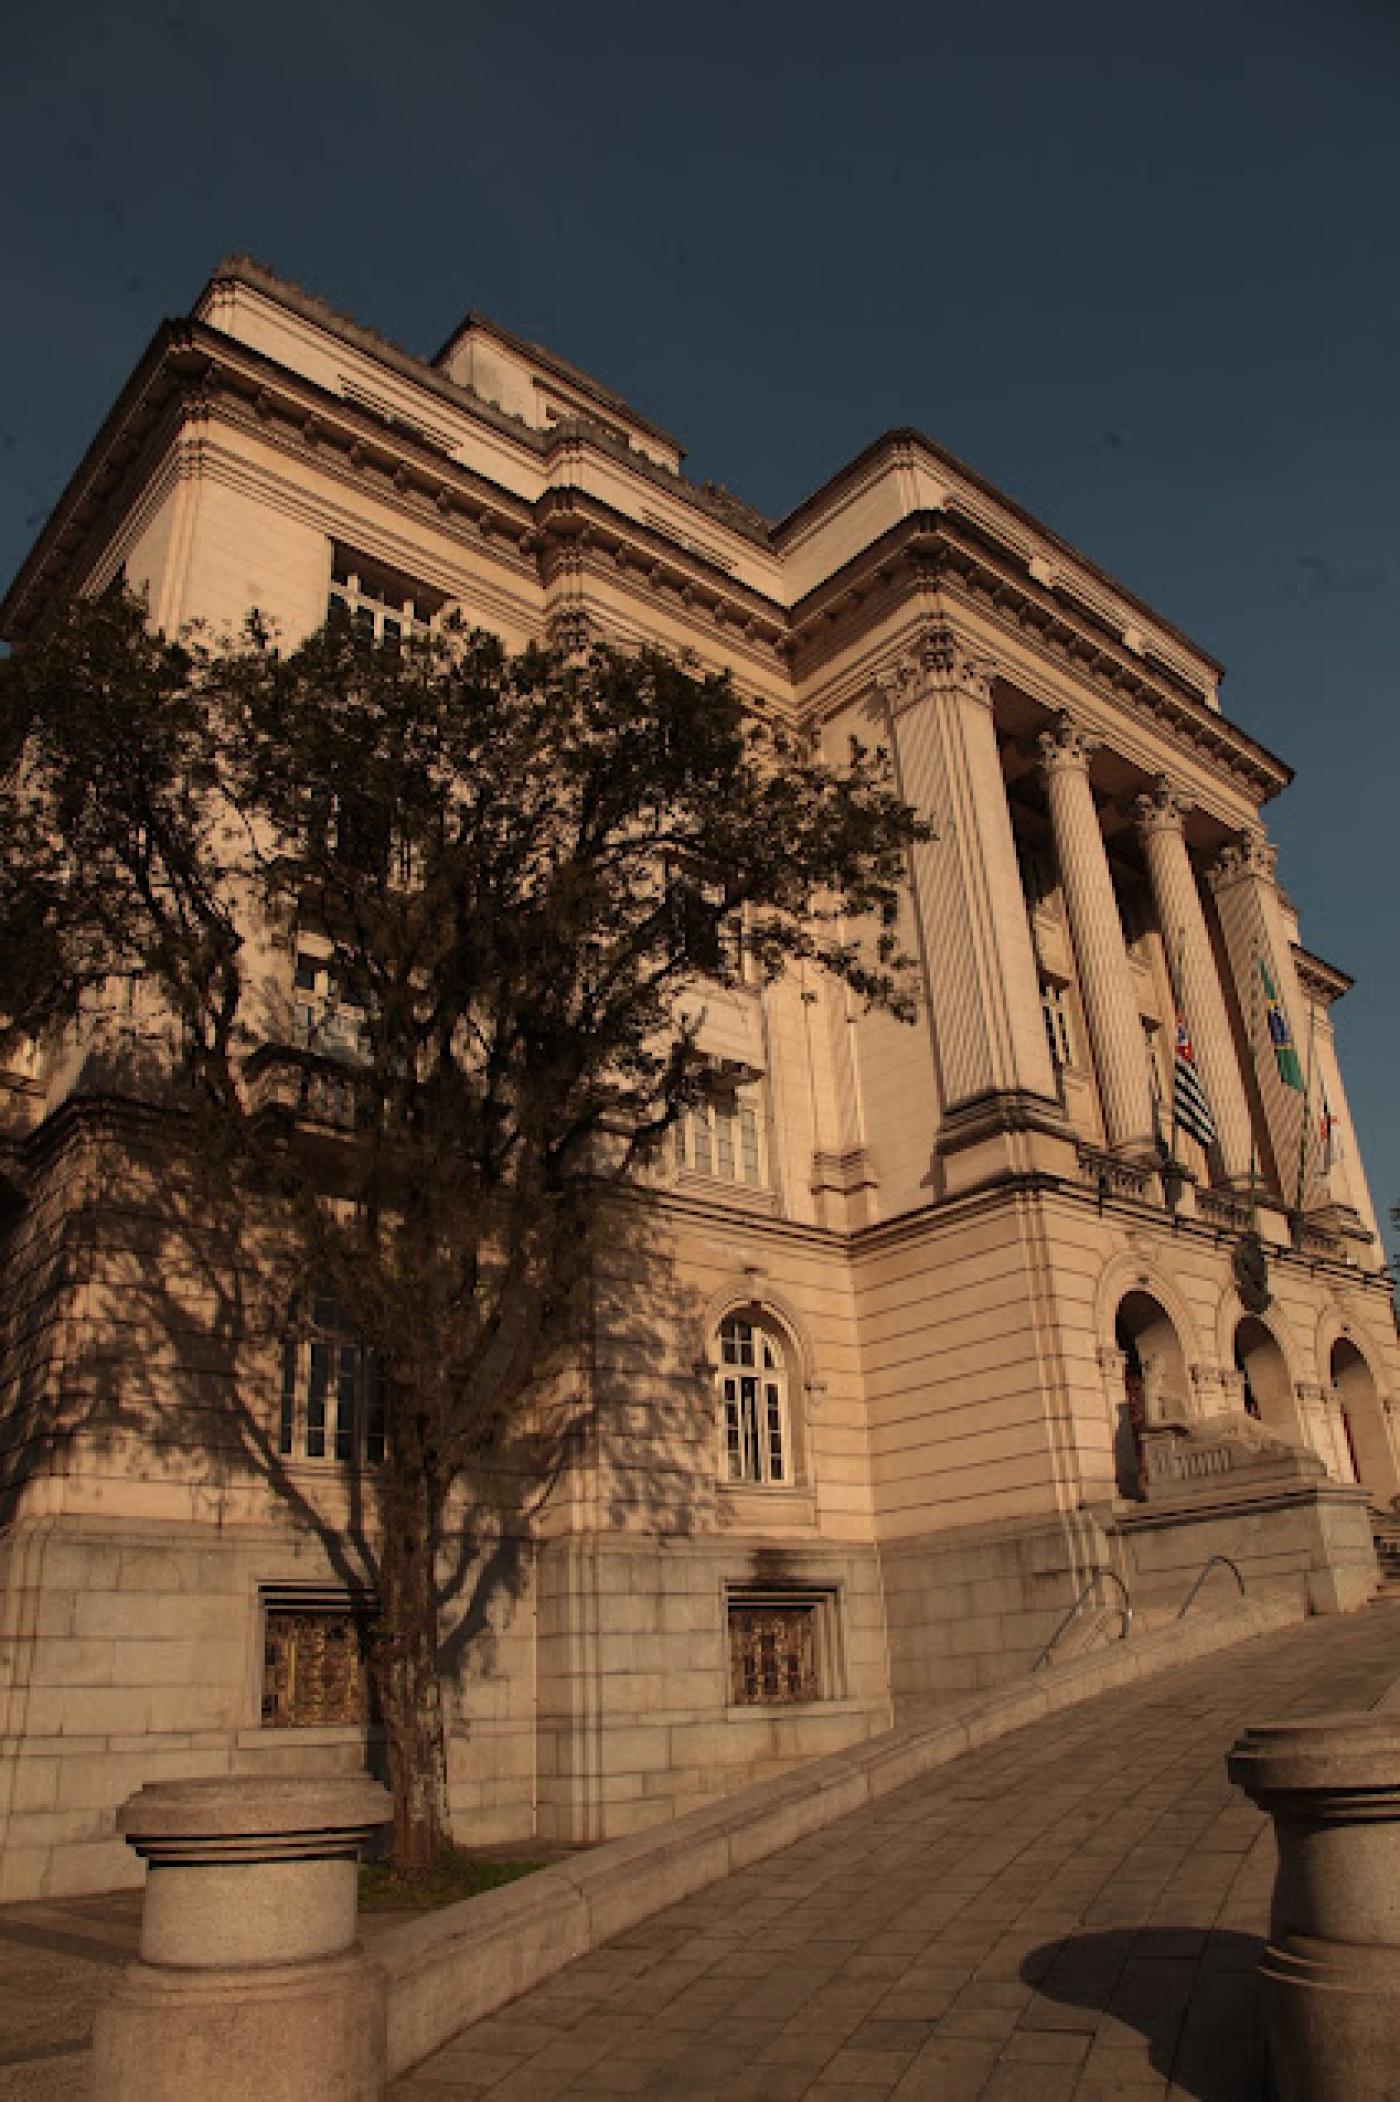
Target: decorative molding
[
  {"x": 936, "y": 660},
  {"x": 1247, "y": 854},
  {"x": 1162, "y": 809},
  {"x": 1067, "y": 746}
]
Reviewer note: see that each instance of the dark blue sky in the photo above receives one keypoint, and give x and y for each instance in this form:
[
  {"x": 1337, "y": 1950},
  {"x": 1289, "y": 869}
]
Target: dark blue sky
[{"x": 1139, "y": 266}]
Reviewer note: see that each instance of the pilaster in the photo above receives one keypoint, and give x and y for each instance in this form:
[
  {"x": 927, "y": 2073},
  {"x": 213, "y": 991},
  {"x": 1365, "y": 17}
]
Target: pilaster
[
  {"x": 1251, "y": 919},
  {"x": 999, "y": 1099}
]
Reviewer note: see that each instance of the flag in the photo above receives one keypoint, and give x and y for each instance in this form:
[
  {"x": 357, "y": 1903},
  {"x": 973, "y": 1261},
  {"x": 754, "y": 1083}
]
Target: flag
[
  {"x": 1189, "y": 1105},
  {"x": 1290, "y": 1072},
  {"x": 1329, "y": 1134}
]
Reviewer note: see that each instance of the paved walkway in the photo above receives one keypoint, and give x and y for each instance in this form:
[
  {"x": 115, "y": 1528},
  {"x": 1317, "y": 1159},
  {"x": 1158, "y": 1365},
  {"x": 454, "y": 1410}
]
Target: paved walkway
[{"x": 1074, "y": 1912}]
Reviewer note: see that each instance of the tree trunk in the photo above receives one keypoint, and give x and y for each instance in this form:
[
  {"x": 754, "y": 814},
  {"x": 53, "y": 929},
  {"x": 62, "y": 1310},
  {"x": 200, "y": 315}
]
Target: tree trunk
[{"x": 405, "y": 1663}]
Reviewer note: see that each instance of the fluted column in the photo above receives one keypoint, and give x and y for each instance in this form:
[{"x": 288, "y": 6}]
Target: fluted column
[
  {"x": 1100, "y": 954},
  {"x": 983, "y": 985},
  {"x": 1183, "y": 925}
]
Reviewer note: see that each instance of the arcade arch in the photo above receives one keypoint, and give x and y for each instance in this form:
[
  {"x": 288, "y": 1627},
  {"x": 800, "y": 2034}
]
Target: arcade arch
[
  {"x": 1363, "y": 1419},
  {"x": 1155, "y": 1382},
  {"x": 1268, "y": 1391}
]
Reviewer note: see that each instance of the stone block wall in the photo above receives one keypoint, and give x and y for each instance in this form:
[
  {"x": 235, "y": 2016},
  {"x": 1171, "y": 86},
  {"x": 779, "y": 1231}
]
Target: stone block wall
[
  {"x": 133, "y": 1653},
  {"x": 636, "y": 1721}
]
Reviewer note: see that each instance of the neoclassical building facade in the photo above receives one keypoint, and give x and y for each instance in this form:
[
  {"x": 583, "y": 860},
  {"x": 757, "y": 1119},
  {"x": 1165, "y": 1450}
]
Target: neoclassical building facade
[{"x": 957, "y": 1313}]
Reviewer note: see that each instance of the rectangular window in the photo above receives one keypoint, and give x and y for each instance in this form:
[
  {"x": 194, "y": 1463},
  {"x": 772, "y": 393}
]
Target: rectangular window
[
  {"x": 380, "y": 604},
  {"x": 1055, "y": 1009},
  {"x": 315, "y": 1665},
  {"x": 1033, "y": 863},
  {"x": 782, "y": 1646},
  {"x": 324, "y": 1017},
  {"x": 720, "y": 1136}
]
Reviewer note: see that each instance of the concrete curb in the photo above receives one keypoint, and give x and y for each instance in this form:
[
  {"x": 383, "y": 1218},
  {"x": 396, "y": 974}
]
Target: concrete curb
[{"x": 458, "y": 1965}]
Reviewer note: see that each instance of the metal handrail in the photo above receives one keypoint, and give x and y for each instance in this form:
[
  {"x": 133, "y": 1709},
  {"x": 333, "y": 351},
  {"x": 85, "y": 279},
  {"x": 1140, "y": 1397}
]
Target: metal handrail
[
  {"x": 1127, "y": 1609},
  {"x": 1226, "y": 1563}
]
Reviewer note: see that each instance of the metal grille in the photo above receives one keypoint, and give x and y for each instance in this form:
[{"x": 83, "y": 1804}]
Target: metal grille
[
  {"x": 773, "y": 1653},
  {"x": 314, "y": 1669}
]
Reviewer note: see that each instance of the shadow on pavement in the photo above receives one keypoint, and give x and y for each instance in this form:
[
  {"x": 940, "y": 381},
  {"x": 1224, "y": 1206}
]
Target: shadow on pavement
[{"x": 1192, "y": 1993}]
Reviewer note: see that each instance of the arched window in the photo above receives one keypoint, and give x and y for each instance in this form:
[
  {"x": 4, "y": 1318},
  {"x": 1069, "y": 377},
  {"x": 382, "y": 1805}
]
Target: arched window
[
  {"x": 334, "y": 1395},
  {"x": 754, "y": 1403}
]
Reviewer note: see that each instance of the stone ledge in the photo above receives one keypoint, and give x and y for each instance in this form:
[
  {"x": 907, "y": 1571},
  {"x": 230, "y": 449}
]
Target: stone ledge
[{"x": 457, "y": 1966}]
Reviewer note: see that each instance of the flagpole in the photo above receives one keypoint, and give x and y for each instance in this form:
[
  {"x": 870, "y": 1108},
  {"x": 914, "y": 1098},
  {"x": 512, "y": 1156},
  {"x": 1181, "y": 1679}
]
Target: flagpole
[
  {"x": 1307, "y": 1099},
  {"x": 1255, "y": 992},
  {"x": 1176, "y": 1025}
]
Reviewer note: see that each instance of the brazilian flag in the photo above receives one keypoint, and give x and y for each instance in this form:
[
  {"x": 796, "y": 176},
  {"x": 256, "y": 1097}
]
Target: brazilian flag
[{"x": 1280, "y": 1035}]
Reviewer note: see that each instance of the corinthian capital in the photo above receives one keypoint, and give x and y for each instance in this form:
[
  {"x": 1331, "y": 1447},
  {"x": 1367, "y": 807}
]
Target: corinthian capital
[
  {"x": 1162, "y": 809},
  {"x": 936, "y": 661},
  {"x": 1248, "y": 854},
  {"x": 948, "y": 662},
  {"x": 1066, "y": 747}
]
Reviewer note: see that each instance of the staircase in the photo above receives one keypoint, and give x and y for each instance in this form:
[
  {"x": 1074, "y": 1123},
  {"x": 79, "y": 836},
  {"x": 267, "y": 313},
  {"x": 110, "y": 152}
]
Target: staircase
[{"x": 1385, "y": 1531}]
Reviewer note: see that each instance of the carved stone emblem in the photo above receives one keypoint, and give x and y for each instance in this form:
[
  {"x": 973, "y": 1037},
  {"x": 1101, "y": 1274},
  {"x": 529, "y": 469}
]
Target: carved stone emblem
[{"x": 1251, "y": 1273}]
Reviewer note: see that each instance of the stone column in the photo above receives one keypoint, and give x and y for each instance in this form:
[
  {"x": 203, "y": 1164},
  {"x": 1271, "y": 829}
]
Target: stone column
[
  {"x": 1197, "y": 982},
  {"x": 1096, "y": 932},
  {"x": 1251, "y": 919},
  {"x": 250, "y": 1980},
  {"x": 1331, "y": 1970},
  {"x": 984, "y": 990}
]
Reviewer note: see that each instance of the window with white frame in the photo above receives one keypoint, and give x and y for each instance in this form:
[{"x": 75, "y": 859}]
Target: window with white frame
[
  {"x": 753, "y": 1388},
  {"x": 335, "y": 1398},
  {"x": 379, "y": 605},
  {"x": 1054, "y": 1006},
  {"x": 721, "y": 1135}
]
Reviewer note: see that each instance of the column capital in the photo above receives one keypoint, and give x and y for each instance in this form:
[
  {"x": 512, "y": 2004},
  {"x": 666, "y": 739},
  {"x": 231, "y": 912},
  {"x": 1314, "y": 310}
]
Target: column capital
[
  {"x": 1247, "y": 854},
  {"x": 1066, "y": 746},
  {"x": 936, "y": 659},
  {"x": 1162, "y": 808}
]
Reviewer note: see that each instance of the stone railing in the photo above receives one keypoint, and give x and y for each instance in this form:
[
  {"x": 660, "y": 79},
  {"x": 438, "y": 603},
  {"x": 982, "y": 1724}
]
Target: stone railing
[
  {"x": 1114, "y": 1177},
  {"x": 1223, "y": 1208}
]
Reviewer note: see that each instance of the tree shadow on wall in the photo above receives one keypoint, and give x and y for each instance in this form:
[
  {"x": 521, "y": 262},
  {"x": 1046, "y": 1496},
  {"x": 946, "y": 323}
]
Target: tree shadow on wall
[
  {"x": 148, "y": 1319},
  {"x": 1192, "y": 1995}
]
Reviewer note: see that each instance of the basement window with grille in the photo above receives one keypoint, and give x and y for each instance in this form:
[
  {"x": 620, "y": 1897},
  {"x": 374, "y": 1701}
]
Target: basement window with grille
[
  {"x": 315, "y": 1659},
  {"x": 783, "y": 1647}
]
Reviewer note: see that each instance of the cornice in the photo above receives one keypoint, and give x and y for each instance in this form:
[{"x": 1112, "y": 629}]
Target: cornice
[
  {"x": 573, "y": 523},
  {"x": 1325, "y": 981},
  {"x": 927, "y": 550},
  {"x": 1031, "y": 544}
]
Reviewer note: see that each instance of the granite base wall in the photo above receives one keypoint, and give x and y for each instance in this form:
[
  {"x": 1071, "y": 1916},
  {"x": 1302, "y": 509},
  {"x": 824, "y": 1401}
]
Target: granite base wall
[
  {"x": 1310, "y": 1538},
  {"x": 636, "y": 1722},
  {"x": 133, "y": 1653}
]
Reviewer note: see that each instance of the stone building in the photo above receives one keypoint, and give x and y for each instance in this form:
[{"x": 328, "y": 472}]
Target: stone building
[{"x": 952, "y": 1332}]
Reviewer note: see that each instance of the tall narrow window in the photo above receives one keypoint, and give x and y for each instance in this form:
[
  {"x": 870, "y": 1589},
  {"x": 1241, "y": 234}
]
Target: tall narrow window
[
  {"x": 753, "y": 1397},
  {"x": 1055, "y": 1009},
  {"x": 334, "y": 1402}
]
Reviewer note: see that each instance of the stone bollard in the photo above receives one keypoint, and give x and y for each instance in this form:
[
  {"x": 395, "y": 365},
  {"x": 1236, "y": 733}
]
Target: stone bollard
[
  {"x": 251, "y": 1982},
  {"x": 1331, "y": 1971}
]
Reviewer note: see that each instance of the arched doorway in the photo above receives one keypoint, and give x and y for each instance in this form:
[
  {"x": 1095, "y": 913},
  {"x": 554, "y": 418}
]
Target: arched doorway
[
  {"x": 1268, "y": 1390},
  {"x": 1154, "y": 1382},
  {"x": 1372, "y": 1462}
]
